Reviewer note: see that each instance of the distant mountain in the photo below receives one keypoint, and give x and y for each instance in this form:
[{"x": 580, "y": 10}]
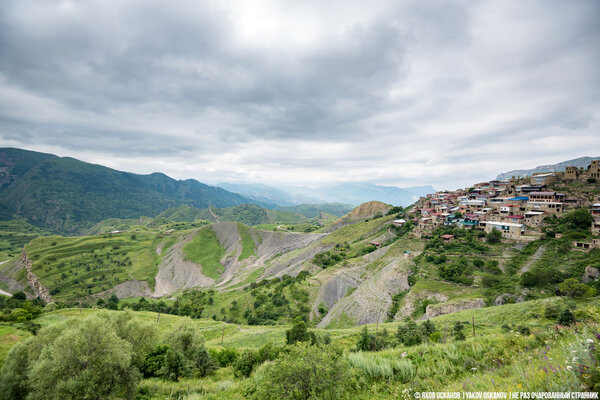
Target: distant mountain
[
  {"x": 559, "y": 167},
  {"x": 269, "y": 194},
  {"x": 344, "y": 193},
  {"x": 66, "y": 195}
]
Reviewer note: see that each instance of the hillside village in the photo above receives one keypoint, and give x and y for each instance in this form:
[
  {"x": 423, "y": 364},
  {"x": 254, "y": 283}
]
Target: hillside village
[{"x": 516, "y": 207}]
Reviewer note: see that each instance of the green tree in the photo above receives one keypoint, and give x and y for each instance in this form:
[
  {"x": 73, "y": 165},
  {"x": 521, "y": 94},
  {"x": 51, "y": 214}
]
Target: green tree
[
  {"x": 458, "y": 331},
  {"x": 185, "y": 339},
  {"x": 578, "y": 219},
  {"x": 306, "y": 372},
  {"x": 298, "y": 332},
  {"x": 566, "y": 318},
  {"x": 175, "y": 365},
  {"x": 495, "y": 236},
  {"x": 573, "y": 288},
  {"x": 409, "y": 333},
  {"x": 88, "y": 361},
  {"x": 243, "y": 366},
  {"x": 368, "y": 342},
  {"x": 19, "y": 296},
  {"x": 113, "y": 302},
  {"x": 13, "y": 376}
]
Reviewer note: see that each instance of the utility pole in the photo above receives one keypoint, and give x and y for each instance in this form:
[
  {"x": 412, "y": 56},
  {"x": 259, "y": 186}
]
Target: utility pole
[
  {"x": 222, "y": 334},
  {"x": 473, "y": 319},
  {"x": 158, "y": 318}
]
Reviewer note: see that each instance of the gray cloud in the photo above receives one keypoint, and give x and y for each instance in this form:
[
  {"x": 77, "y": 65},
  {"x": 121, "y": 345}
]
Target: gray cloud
[{"x": 394, "y": 92}]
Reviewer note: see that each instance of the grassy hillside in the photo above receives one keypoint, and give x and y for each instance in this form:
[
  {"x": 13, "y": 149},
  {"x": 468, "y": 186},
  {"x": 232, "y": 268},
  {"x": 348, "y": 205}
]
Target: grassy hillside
[
  {"x": 14, "y": 235},
  {"x": 76, "y": 267},
  {"x": 515, "y": 348},
  {"x": 204, "y": 249}
]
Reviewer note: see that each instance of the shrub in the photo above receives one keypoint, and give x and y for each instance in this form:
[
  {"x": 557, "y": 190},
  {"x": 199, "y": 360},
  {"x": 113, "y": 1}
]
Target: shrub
[
  {"x": 495, "y": 236},
  {"x": 298, "y": 332},
  {"x": 154, "y": 361},
  {"x": 186, "y": 340},
  {"x": 368, "y": 342},
  {"x": 523, "y": 330},
  {"x": 458, "y": 331},
  {"x": 552, "y": 311},
  {"x": 566, "y": 318},
  {"x": 409, "y": 334},
  {"x": 573, "y": 288},
  {"x": 306, "y": 372},
  {"x": 435, "y": 337},
  {"x": 225, "y": 357},
  {"x": 243, "y": 366}
]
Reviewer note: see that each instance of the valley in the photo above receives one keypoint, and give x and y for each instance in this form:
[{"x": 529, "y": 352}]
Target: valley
[{"x": 393, "y": 289}]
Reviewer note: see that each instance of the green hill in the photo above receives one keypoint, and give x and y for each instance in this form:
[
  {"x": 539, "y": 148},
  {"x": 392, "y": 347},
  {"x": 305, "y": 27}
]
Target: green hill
[{"x": 65, "y": 195}]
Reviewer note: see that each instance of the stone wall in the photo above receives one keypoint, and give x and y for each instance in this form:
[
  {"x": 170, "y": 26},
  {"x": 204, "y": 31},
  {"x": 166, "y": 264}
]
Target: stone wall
[{"x": 39, "y": 289}]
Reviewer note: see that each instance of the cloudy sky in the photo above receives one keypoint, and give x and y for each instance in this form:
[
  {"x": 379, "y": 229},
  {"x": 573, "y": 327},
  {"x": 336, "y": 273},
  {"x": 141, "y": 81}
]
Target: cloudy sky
[{"x": 391, "y": 92}]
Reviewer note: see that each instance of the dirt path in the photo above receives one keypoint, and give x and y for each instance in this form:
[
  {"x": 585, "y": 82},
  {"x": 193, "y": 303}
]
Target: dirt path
[
  {"x": 536, "y": 256},
  {"x": 215, "y": 216}
]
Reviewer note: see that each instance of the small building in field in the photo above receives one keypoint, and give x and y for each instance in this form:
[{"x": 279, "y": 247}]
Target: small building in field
[
  {"x": 447, "y": 237},
  {"x": 585, "y": 245},
  {"x": 398, "y": 222}
]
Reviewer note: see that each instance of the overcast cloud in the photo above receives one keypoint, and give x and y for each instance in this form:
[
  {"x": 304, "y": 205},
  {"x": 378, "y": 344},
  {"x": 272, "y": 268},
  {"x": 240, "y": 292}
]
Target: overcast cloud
[{"x": 400, "y": 93}]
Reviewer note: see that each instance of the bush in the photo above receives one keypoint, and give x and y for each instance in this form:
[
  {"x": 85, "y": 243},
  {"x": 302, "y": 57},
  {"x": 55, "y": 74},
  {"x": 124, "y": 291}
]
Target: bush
[
  {"x": 154, "y": 362},
  {"x": 49, "y": 365},
  {"x": 298, "y": 332},
  {"x": 552, "y": 311},
  {"x": 575, "y": 220},
  {"x": 573, "y": 288},
  {"x": 243, "y": 366},
  {"x": 185, "y": 340},
  {"x": 495, "y": 236},
  {"x": 566, "y": 318},
  {"x": 523, "y": 330},
  {"x": 225, "y": 357},
  {"x": 368, "y": 342},
  {"x": 458, "y": 331},
  {"x": 409, "y": 334},
  {"x": 306, "y": 372}
]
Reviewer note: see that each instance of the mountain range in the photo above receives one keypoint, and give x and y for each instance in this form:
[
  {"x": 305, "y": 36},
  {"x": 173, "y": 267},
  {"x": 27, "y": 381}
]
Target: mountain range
[
  {"x": 68, "y": 196},
  {"x": 581, "y": 162},
  {"x": 353, "y": 193}
]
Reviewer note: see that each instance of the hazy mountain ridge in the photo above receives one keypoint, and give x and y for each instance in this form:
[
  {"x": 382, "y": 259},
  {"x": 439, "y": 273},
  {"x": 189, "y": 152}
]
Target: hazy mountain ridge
[
  {"x": 581, "y": 162},
  {"x": 353, "y": 193}
]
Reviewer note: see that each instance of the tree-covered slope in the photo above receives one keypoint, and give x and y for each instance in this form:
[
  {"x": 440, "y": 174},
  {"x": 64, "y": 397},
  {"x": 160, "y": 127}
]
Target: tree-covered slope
[{"x": 66, "y": 195}]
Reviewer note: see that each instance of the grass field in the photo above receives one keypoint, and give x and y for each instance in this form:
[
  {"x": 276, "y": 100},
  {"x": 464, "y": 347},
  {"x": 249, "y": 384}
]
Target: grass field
[
  {"x": 248, "y": 246},
  {"x": 204, "y": 249},
  {"x": 495, "y": 359}
]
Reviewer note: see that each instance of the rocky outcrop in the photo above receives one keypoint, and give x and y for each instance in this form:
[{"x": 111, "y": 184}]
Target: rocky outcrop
[
  {"x": 434, "y": 310},
  {"x": 590, "y": 274},
  {"x": 372, "y": 298},
  {"x": 39, "y": 289},
  {"x": 504, "y": 299},
  {"x": 132, "y": 288},
  {"x": 410, "y": 301},
  {"x": 175, "y": 272}
]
